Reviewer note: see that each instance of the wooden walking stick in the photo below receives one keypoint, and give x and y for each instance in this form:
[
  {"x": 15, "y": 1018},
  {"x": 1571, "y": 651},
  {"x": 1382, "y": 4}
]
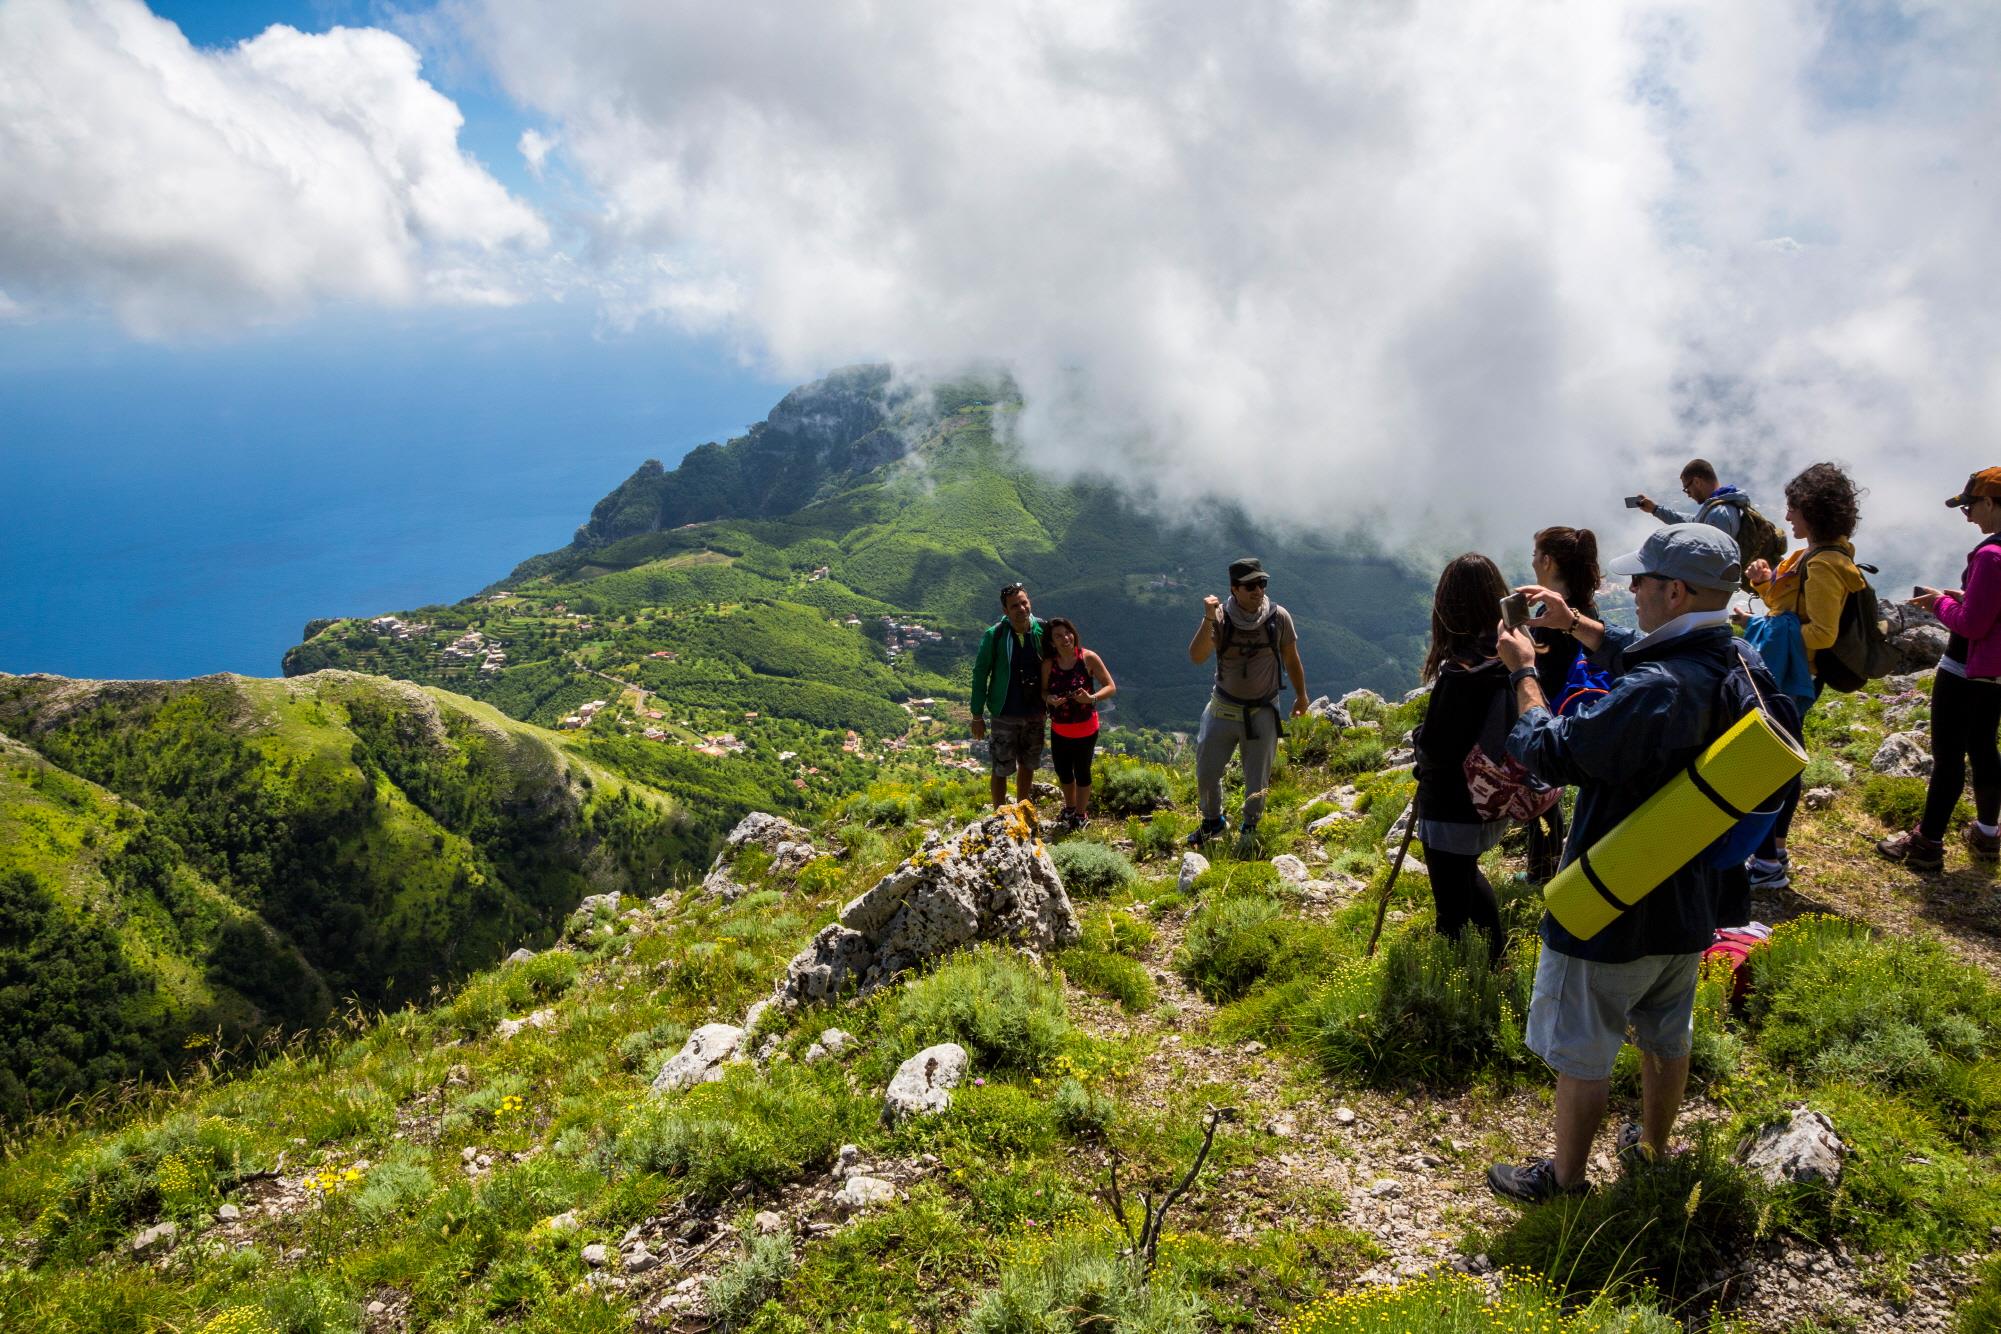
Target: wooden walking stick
[{"x": 1383, "y": 904}]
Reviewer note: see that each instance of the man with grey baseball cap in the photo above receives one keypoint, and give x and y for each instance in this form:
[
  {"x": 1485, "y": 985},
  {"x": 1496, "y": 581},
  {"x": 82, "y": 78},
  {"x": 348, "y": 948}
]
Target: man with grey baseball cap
[{"x": 1637, "y": 975}]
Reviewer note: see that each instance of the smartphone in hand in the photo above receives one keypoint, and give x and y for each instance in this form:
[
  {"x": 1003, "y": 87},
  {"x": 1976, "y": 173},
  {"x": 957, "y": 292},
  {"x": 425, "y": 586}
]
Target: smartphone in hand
[
  {"x": 1632, "y": 502},
  {"x": 1515, "y": 610}
]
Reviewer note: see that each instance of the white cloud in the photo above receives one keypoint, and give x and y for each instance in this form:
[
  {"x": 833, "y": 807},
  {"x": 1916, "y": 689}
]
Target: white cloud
[
  {"x": 187, "y": 189},
  {"x": 1485, "y": 265},
  {"x": 535, "y": 149}
]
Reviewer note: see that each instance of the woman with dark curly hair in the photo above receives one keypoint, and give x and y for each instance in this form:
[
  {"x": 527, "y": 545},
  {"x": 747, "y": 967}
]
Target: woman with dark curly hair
[
  {"x": 1813, "y": 583},
  {"x": 1468, "y": 678}
]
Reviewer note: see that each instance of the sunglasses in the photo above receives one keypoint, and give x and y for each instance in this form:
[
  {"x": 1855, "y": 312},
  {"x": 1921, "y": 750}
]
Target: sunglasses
[{"x": 1251, "y": 583}]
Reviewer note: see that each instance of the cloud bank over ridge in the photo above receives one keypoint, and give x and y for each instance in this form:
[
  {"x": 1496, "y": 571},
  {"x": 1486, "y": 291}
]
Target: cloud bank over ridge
[{"x": 1476, "y": 265}]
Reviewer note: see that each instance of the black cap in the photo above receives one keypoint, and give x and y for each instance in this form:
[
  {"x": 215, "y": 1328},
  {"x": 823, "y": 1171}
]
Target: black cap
[{"x": 1248, "y": 569}]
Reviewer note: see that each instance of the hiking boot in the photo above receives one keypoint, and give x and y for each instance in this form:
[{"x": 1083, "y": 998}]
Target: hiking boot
[
  {"x": 1631, "y": 1148},
  {"x": 1530, "y": 1183},
  {"x": 1984, "y": 847},
  {"x": 1770, "y": 874},
  {"x": 1914, "y": 850},
  {"x": 1208, "y": 830}
]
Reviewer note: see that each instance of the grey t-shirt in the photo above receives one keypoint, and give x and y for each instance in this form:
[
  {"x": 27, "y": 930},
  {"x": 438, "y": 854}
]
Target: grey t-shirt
[{"x": 1248, "y": 669}]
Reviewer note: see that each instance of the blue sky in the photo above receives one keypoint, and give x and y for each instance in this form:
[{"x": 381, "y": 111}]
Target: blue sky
[{"x": 183, "y": 505}]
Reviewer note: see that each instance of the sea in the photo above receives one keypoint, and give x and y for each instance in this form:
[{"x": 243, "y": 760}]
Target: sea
[{"x": 171, "y": 510}]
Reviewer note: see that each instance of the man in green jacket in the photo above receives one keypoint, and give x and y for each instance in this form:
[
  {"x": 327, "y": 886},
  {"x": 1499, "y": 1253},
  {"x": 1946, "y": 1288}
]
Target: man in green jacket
[{"x": 1007, "y": 684}]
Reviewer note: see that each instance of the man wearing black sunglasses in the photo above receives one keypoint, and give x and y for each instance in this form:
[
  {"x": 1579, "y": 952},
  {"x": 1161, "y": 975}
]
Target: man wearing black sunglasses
[{"x": 1251, "y": 636}]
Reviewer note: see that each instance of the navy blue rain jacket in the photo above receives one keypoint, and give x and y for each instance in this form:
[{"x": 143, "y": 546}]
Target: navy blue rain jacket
[{"x": 1617, "y": 752}]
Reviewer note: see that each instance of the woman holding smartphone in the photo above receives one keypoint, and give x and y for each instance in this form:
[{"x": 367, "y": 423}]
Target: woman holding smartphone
[{"x": 1966, "y": 694}]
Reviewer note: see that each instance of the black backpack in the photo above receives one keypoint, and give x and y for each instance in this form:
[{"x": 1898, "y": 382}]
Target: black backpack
[{"x": 1862, "y": 651}]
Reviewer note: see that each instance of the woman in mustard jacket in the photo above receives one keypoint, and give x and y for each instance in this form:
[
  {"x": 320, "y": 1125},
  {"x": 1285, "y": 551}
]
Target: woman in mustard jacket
[{"x": 1814, "y": 583}]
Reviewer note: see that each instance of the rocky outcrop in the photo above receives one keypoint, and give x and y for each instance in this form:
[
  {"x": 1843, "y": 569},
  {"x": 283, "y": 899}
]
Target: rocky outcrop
[
  {"x": 1324, "y": 707},
  {"x": 1915, "y": 633},
  {"x": 1802, "y": 1148},
  {"x": 923, "y": 1084},
  {"x": 1193, "y": 864},
  {"x": 992, "y": 881},
  {"x": 700, "y": 1060},
  {"x": 1904, "y": 755},
  {"x": 790, "y": 848}
]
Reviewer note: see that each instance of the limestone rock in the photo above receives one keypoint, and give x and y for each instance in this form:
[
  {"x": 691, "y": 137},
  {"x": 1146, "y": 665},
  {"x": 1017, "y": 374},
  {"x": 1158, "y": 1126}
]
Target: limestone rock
[
  {"x": 228, "y": 1213},
  {"x": 832, "y": 1042},
  {"x": 587, "y": 913},
  {"x": 638, "y": 1260},
  {"x": 158, "y": 1237},
  {"x": 923, "y": 1084},
  {"x": 1417, "y": 693},
  {"x": 1403, "y": 757},
  {"x": 1290, "y": 869},
  {"x": 507, "y": 1028},
  {"x": 992, "y": 881},
  {"x": 700, "y": 1060},
  {"x": 563, "y": 1222},
  {"x": 522, "y": 955},
  {"x": 1367, "y": 698},
  {"x": 1396, "y": 830},
  {"x": 1192, "y": 865},
  {"x": 790, "y": 847},
  {"x": 1916, "y": 634},
  {"x": 768, "y": 1223},
  {"x": 1802, "y": 1148},
  {"x": 859, "y": 1192},
  {"x": 1818, "y": 798},
  {"x": 597, "y": 1255},
  {"x": 1903, "y": 755},
  {"x": 1332, "y": 712}
]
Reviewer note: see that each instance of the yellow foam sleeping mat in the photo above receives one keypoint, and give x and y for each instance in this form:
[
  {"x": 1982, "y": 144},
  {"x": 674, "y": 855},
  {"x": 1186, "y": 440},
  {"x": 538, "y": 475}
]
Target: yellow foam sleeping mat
[{"x": 1740, "y": 770}]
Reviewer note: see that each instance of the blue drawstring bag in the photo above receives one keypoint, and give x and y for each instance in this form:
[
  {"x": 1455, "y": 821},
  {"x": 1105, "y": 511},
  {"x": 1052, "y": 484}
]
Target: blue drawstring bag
[{"x": 1778, "y": 641}]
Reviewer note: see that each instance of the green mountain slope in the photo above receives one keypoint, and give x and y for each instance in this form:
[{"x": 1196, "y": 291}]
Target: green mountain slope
[
  {"x": 766, "y": 568},
  {"x": 230, "y": 856},
  {"x": 501, "y": 1159}
]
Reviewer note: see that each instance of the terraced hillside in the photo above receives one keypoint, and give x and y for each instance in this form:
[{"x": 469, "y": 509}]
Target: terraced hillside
[{"x": 541, "y": 1152}]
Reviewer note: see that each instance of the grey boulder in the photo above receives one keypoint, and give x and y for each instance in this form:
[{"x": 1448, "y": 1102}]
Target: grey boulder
[
  {"x": 1193, "y": 864},
  {"x": 700, "y": 1059},
  {"x": 790, "y": 847},
  {"x": 1802, "y": 1148},
  {"x": 923, "y": 1084},
  {"x": 1903, "y": 755}
]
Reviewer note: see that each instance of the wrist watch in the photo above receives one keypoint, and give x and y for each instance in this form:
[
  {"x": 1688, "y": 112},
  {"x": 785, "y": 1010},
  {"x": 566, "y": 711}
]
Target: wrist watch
[{"x": 1519, "y": 675}]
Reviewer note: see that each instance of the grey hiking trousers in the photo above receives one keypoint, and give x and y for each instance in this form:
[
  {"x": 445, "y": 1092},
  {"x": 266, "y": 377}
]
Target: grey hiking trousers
[{"x": 1223, "y": 732}]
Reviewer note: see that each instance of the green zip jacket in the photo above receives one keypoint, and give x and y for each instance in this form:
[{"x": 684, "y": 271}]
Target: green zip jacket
[{"x": 991, "y": 663}]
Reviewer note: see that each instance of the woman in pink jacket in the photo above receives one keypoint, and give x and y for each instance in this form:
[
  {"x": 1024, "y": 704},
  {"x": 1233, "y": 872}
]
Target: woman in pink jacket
[{"x": 1966, "y": 694}]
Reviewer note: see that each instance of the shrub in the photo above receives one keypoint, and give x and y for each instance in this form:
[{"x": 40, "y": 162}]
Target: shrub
[
  {"x": 1122, "y": 979},
  {"x": 1894, "y": 1014},
  {"x": 1238, "y": 877},
  {"x": 1007, "y": 1014},
  {"x": 1080, "y": 1286},
  {"x": 1125, "y": 788},
  {"x": 747, "y": 1129},
  {"x": 990, "y": 1123},
  {"x": 1431, "y": 1011},
  {"x": 1080, "y": 1111},
  {"x": 1155, "y": 838},
  {"x": 1898, "y": 802},
  {"x": 1822, "y": 771},
  {"x": 1090, "y": 867},
  {"x": 741, "y": 1287},
  {"x": 1981, "y": 1309},
  {"x": 1231, "y": 945},
  {"x": 1117, "y": 933},
  {"x": 1670, "y": 1226},
  {"x": 1310, "y": 740}
]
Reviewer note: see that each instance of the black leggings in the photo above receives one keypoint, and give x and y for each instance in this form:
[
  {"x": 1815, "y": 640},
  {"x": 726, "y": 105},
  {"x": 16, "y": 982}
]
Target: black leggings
[
  {"x": 1463, "y": 897},
  {"x": 1071, "y": 757},
  {"x": 1790, "y": 803},
  {"x": 1965, "y": 717}
]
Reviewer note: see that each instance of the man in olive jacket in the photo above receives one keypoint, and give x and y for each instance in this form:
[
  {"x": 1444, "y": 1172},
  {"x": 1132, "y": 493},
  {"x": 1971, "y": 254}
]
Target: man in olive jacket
[{"x": 1007, "y": 685}]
